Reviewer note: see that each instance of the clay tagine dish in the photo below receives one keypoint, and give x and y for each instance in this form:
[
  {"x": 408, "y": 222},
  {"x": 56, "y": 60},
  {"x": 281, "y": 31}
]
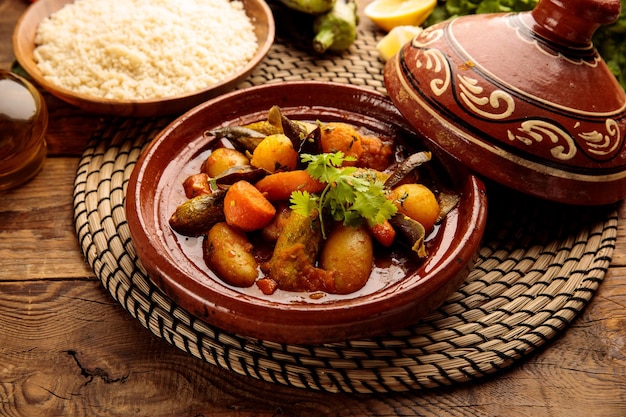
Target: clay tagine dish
[
  {"x": 390, "y": 300},
  {"x": 521, "y": 98}
]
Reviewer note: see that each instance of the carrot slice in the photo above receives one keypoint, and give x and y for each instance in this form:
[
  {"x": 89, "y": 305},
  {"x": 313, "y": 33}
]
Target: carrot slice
[
  {"x": 384, "y": 233},
  {"x": 280, "y": 185},
  {"x": 267, "y": 285},
  {"x": 246, "y": 207}
]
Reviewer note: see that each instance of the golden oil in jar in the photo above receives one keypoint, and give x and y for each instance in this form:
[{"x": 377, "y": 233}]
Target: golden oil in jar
[{"x": 23, "y": 125}]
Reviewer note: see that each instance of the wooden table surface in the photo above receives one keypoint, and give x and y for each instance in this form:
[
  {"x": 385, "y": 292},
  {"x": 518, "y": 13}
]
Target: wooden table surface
[{"x": 68, "y": 349}]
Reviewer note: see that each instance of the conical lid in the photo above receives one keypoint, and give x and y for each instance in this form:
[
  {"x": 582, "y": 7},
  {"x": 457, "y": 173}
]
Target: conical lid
[{"x": 521, "y": 98}]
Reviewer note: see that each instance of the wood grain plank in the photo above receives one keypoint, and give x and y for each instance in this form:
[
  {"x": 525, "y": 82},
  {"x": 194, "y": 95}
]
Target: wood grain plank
[
  {"x": 10, "y": 10},
  {"x": 69, "y": 349},
  {"x": 37, "y": 234},
  {"x": 69, "y": 128}
]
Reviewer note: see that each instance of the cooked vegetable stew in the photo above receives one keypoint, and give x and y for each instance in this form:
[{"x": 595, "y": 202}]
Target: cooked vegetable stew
[{"x": 312, "y": 207}]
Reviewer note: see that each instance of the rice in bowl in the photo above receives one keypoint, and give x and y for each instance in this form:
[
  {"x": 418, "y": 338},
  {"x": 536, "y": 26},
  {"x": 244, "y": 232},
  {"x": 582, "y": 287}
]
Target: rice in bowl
[{"x": 143, "y": 49}]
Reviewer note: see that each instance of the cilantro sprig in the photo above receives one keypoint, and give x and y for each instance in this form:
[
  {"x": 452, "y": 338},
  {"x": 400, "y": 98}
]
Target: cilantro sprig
[{"x": 351, "y": 196}]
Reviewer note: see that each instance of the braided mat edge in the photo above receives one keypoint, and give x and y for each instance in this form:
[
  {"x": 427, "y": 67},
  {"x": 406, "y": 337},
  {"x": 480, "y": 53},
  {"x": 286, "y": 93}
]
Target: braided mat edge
[{"x": 539, "y": 266}]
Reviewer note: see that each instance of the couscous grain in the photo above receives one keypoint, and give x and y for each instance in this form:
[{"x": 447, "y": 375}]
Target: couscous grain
[{"x": 144, "y": 49}]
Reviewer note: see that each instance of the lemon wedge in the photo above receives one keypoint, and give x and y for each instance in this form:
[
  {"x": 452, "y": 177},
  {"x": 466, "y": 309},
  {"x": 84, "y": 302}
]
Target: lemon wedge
[
  {"x": 391, "y": 43},
  {"x": 388, "y": 14}
]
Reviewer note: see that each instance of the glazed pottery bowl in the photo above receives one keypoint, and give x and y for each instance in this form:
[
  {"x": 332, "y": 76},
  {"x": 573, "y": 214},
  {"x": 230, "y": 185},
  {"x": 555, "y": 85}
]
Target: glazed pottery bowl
[
  {"x": 521, "y": 98},
  {"x": 24, "y": 44},
  {"x": 174, "y": 264}
]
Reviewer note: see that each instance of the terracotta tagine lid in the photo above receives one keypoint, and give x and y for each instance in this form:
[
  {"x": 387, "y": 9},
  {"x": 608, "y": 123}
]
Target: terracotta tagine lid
[{"x": 521, "y": 98}]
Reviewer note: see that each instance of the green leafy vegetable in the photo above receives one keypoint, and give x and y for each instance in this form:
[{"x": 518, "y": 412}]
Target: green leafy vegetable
[
  {"x": 608, "y": 39},
  {"x": 350, "y": 196}
]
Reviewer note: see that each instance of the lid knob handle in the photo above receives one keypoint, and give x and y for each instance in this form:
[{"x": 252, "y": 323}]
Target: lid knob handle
[{"x": 573, "y": 22}]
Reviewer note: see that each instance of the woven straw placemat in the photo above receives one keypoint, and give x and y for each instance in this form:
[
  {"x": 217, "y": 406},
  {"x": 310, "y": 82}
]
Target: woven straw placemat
[{"x": 538, "y": 267}]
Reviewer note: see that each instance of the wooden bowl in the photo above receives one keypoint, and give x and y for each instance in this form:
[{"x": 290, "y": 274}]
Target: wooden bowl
[
  {"x": 24, "y": 45},
  {"x": 175, "y": 263}
]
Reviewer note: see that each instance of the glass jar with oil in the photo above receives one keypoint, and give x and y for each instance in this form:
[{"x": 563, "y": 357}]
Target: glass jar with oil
[{"x": 23, "y": 125}]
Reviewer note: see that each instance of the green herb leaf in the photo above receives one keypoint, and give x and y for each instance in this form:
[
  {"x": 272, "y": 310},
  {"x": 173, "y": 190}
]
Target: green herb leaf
[
  {"x": 303, "y": 202},
  {"x": 373, "y": 205},
  {"x": 351, "y": 196}
]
